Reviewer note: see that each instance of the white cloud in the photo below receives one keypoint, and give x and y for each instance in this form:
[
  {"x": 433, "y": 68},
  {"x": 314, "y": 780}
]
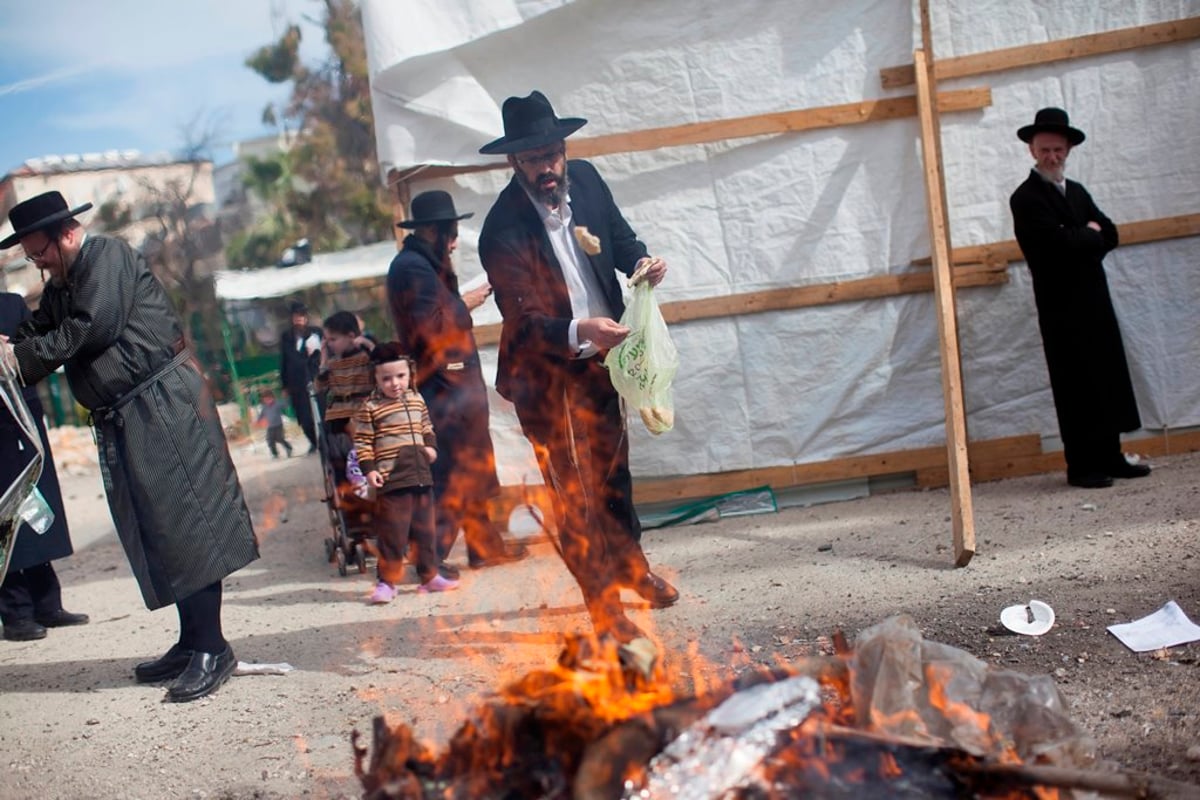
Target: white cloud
[{"x": 144, "y": 35}]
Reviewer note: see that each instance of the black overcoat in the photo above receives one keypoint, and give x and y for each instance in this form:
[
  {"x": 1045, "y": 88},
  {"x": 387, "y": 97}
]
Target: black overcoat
[
  {"x": 434, "y": 326},
  {"x": 30, "y": 548},
  {"x": 171, "y": 485},
  {"x": 1089, "y": 375}
]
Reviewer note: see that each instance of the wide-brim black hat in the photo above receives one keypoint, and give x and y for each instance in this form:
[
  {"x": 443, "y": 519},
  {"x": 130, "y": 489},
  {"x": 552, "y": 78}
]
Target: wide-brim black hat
[
  {"x": 431, "y": 207},
  {"x": 1051, "y": 120},
  {"x": 530, "y": 122},
  {"x": 37, "y": 213}
]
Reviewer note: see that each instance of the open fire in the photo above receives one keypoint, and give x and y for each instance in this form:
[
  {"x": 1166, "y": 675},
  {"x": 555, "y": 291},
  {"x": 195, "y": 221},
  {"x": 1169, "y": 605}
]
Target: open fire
[{"x": 895, "y": 717}]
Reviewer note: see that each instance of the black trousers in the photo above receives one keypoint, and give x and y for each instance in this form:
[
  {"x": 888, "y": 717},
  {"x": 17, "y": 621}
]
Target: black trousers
[
  {"x": 304, "y": 415},
  {"x": 402, "y": 516},
  {"x": 200, "y": 620},
  {"x": 30, "y": 592},
  {"x": 275, "y": 438},
  {"x": 582, "y": 449}
]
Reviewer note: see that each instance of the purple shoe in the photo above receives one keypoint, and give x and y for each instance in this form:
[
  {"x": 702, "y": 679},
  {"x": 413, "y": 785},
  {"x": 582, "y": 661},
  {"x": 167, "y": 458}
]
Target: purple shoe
[
  {"x": 437, "y": 584},
  {"x": 383, "y": 594}
]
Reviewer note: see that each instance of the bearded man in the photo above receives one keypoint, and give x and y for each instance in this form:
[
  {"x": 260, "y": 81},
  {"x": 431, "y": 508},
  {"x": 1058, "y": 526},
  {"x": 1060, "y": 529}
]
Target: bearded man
[
  {"x": 1064, "y": 238},
  {"x": 433, "y": 324},
  {"x": 552, "y": 245}
]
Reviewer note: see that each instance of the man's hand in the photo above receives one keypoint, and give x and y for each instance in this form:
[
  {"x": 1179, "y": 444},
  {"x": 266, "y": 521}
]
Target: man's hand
[
  {"x": 7, "y": 357},
  {"x": 477, "y": 296},
  {"x": 649, "y": 269},
  {"x": 601, "y": 331},
  {"x": 1094, "y": 225}
]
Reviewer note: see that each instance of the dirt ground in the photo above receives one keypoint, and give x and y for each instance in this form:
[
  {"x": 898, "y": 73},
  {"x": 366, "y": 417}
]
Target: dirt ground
[{"x": 756, "y": 589}]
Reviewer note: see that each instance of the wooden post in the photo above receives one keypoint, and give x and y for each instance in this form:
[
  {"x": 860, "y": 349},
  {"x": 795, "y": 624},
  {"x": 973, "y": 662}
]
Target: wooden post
[{"x": 962, "y": 517}]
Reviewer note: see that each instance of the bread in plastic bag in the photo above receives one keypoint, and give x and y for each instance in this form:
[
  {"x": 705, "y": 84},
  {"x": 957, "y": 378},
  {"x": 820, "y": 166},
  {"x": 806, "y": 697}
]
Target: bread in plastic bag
[{"x": 643, "y": 366}]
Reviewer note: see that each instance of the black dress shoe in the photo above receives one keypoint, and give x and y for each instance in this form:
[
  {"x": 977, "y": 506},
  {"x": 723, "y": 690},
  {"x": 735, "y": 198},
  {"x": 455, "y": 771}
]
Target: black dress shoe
[
  {"x": 1090, "y": 480},
  {"x": 448, "y": 571},
  {"x": 512, "y": 551},
  {"x": 204, "y": 675},
  {"x": 656, "y": 591},
  {"x": 164, "y": 668},
  {"x": 24, "y": 630},
  {"x": 62, "y": 618},
  {"x": 1123, "y": 469}
]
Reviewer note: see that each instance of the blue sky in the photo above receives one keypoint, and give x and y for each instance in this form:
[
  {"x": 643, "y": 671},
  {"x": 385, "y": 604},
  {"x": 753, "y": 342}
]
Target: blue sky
[{"x": 83, "y": 76}]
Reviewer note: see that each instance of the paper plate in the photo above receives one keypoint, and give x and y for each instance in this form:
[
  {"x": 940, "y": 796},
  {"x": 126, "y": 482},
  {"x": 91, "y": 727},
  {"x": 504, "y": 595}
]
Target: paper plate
[{"x": 1032, "y": 620}]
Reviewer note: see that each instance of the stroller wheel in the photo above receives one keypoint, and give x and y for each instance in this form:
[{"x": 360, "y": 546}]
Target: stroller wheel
[
  {"x": 360, "y": 555},
  {"x": 330, "y": 545},
  {"x": 340, "y": 555}
]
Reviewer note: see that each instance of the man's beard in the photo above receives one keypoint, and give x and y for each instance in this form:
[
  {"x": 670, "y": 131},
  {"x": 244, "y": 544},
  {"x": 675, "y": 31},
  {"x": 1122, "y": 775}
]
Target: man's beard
[{"x": 551, "y": 198}]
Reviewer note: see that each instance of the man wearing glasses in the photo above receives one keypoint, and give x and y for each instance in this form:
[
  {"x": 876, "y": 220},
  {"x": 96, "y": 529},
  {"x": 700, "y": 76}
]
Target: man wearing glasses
[
  {"x": 552, "y": 245},
  {"x": 171, "y": 485}
]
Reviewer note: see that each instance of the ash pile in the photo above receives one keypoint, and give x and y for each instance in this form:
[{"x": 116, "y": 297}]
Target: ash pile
[{"x": 896, "y": 716}]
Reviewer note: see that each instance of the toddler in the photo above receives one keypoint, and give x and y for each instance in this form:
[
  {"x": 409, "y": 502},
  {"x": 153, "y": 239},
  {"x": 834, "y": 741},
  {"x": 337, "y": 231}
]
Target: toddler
[
  {"x": 271, "y": 415},
  {"x": 395, "y": 445},
  {"x": 345, "y": 375}
]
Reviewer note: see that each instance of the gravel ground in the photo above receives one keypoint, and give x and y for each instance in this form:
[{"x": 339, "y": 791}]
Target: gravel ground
[{"x": 756, "y": 589}]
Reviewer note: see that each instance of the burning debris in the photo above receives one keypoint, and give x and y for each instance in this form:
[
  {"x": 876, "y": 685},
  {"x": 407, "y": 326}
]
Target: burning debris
[{"x": 898, "y": 717}]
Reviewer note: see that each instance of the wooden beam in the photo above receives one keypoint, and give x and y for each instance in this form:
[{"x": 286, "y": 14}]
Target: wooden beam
[
  {"x": 785, "y": 299},
  {"x": 1140, "y": 232},
  {"x": 962, "y": 517},
  {"x": 657, "y": 490},
  {"x": 1048, "y": 52},
  {"x": 806, "y": 119},
  {"x": 990, "y": 459},
  {"x": 767, "y": 124}
]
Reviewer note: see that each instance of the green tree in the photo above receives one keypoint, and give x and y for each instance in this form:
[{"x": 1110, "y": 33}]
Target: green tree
[{"x": 326, "y": 188}]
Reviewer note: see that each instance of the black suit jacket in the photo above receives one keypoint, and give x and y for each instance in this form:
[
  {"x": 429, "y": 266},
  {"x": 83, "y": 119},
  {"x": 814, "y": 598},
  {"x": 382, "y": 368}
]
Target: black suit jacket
[{"x": 528, "y": 281}]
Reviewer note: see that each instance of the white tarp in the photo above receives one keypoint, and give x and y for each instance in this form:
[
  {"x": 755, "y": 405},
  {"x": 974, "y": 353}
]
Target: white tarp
[
  {"x": 842, "y": 203},
  {"x": 368, "y": 261}
]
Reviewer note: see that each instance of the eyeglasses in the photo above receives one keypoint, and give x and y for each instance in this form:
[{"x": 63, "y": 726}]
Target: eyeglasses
[
  {"x": 35, "y": 257},
  {"x": 542, "y": 159}
]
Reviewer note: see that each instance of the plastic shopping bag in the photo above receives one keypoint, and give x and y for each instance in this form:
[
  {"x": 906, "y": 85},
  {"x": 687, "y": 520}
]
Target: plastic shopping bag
[{"x": 643, "y": 366}]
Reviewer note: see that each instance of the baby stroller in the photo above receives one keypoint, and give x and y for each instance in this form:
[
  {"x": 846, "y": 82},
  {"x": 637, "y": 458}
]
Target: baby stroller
[{"x": 350, "y": 516}]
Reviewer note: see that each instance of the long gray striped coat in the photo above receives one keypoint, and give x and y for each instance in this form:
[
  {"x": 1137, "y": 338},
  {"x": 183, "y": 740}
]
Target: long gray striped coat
[{"x": 171, "y": 485}]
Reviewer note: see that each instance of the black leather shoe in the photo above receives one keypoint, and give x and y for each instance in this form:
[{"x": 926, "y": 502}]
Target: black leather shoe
[
  {"x": 513, "y": 551},
  {"x": 24, "y": 630},
  {"x": 1123, "y": 469},
  {"x": 164, "y": 668},
  {"x": 1090, "y": 480},
  {"x": 448, "y": 571},
  {"x": 62, "y": 618},
  {"x": 204, "y": 675},
  {"x": 656, "y": 591}
]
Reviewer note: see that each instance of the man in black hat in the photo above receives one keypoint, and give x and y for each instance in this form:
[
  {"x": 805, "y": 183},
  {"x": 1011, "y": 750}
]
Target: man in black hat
[
  {"x": 171, "y": 485},
  {"x": 299, "y": 360},
  {"x": 552, "y": 245},
  {"x": 434, "y": 326},
  {"x": 1064, "y": 238}
]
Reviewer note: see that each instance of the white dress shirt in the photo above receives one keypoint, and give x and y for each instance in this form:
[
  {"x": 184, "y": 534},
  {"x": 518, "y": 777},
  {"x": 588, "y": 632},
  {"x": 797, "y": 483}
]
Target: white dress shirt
[{"x": 583, "y": 287}]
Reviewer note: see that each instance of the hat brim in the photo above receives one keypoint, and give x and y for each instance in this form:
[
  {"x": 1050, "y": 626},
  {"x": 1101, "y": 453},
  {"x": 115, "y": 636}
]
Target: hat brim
[
  {"x": 1074, "y": 135},
  {"x": 44, "y": 222},
  {"x": 409, "y": 224},
  {"x": 504, "y": 145}
]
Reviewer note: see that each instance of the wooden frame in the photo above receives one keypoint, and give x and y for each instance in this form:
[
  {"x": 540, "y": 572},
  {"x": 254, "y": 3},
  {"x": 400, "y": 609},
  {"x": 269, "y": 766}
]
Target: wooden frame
[{"x": 1048, "y": 52}]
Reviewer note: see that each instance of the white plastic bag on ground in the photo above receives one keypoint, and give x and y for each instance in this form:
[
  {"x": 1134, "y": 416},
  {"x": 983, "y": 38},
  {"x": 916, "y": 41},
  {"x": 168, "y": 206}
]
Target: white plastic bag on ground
[{"x": 643, "y": 366}]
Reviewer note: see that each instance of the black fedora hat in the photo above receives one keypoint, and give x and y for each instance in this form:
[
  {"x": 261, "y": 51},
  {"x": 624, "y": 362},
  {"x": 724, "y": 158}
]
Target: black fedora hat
[
  {"x": 530, "y": 122},
  {"x": 1051, "y": 120},
  {"x": 37, "y": 213},
  {"x": 430, "y": 207}
]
